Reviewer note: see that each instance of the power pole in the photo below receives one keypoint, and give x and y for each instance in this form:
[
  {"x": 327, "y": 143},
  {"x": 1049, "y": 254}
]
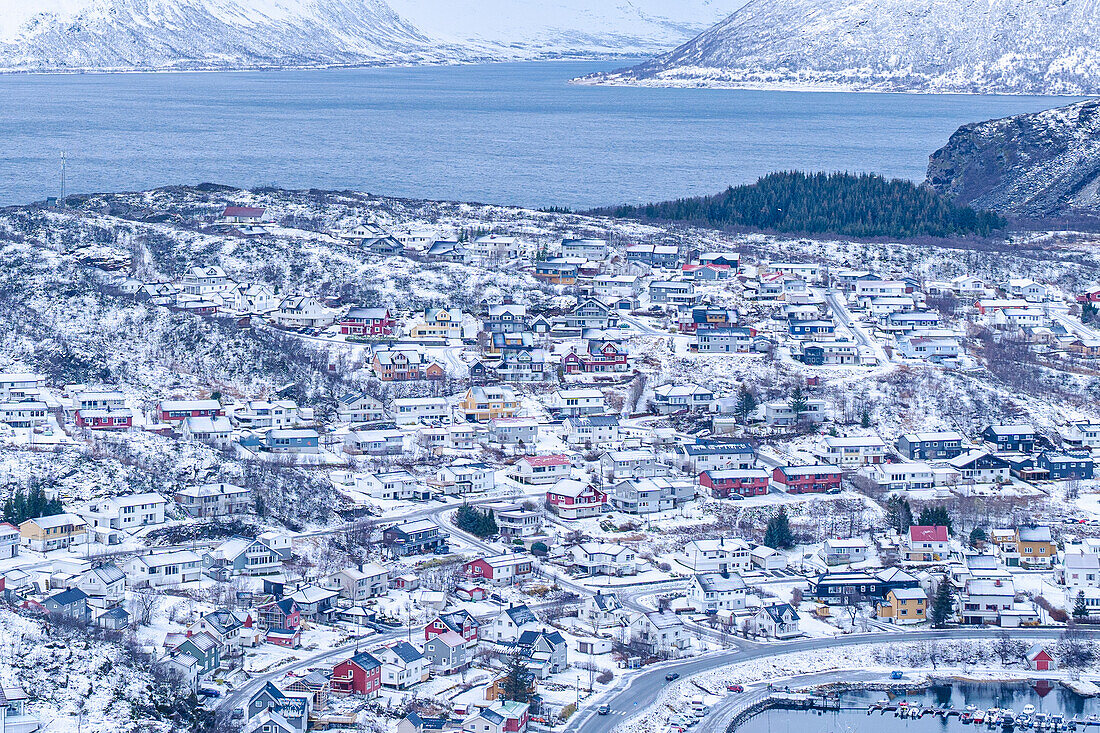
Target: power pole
[{"x": 61, "y": 200}]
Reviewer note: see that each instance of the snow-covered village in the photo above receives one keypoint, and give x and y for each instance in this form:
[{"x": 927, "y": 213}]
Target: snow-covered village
[{"x": 286, "y": 461}]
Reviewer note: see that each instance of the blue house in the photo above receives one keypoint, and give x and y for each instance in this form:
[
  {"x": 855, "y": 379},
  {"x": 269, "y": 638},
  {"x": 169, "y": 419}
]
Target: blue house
[
  {"x": 72, "y": 603},
  {"x": 1020, "y": 438},
  {"x": 811, "y": 328},
  {"x": 291, "y": 441},
  {"x": 1065, "y": 466},
  {"x": 205, "y": 650},
  {"x": 941, "y": 445}
]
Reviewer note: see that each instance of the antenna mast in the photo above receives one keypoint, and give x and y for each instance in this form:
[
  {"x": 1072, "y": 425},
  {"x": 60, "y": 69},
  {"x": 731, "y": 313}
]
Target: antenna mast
[{"x": 61, "y": 201}]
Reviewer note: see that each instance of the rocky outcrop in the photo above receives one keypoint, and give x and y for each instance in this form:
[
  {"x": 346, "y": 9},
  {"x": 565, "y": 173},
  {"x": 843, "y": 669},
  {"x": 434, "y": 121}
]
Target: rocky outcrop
[{"x": 1038, "y": 165}]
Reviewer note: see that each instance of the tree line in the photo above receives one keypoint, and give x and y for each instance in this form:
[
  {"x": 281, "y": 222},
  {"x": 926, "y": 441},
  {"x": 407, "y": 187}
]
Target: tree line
[
  {"x": 24, "y": 504},
  {"x": 864, "y": 205}
]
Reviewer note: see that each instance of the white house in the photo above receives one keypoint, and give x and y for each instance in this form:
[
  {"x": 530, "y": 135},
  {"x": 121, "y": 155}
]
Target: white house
[
  {"x": 635, "y": 463},
  {"x": 845, "y": 551},
  {"x": 603, "y": 558},
  {"x": 391, "y": 485},
  {"x": 669, "y": 398},
  {"x": 662, "y": 632},
  {"x": 465, "y": 478},
  {"x": 719, "y": 555},
  {"x": 302, "y": 311},
  {"x": 509, "y": 624},
  {"x": 126, "y": 513},
  {"x": 413, "y": 410},
  {"x": 851, "y": 451},
  {"x": 711, "y": 592},
  {"x": 536, "y": 470},
  {"x": 160, "y": 569},
  {"x": 776, "y": 621},
  {"x": 591, "y": 430},
  {"x": 359, "y": 407},
  {"x": 576, "y": 402}
]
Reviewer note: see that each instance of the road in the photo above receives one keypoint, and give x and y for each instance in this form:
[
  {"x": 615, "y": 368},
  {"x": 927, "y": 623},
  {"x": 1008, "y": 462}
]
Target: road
[
  {"x": 1073, "y": 325},
  {"x": 641, "y": 327},
  {"x": 843, "y": 316},
  {"x": 642, "y": 689}
]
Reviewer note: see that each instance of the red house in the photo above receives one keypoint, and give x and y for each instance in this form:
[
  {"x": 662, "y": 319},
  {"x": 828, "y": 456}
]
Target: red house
[
  {"x": 460, "y": 622},
  {"x": 289, "y": 638},
  {"x": 1089, "y": 296},
  {"x": 281, "y": 614},
  {"x": 117, "y": 418},
  {"x": 605, "y": 357},
  {"x": 572, "y": 499},
  {"x": 807, "y": 479},
  {"x": 1040, "y": 659},
  {"x": 360, "y": 675},
  {"x": 367, "y": 322},
  {"x": 741, "y": 482},
  {"x": 244, "y": 214},
  {"x": 501, "y": 569},
  {"x": 180, "y": 410}
]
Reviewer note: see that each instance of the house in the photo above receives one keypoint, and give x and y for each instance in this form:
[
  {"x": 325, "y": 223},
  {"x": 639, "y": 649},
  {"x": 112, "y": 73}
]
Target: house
[
  {"x": 71, "y": 603},
  {"x": 845, "y": 551},
  {"x": 671, "y": 398},
  {"x": 537, "y": 470},
  {"x": 368, "y": 322},
  {"x": 215, "y": 430},
  {"x": 661, "y": 633},
  {"x": 1017, "y": 438},
  {"x": 404, "y": 364},
  {"x": 1036, "y": 547},
  {"x": 383, "y": 442},
  {"x": 464, "y": 478},
  {"x": 107, "y": 418},
  {"x": 695, "y": 458},
  {"x": 53, "y": 532},
  {"x": 807, "y": 479},
  {"x": 590, "y": 313},
  {"x": 572, "y": 499},
  {"x": 415, "y": 537},
  {"x": 666, "y": 256},
  {"x": 556, "y": 272},
  {"x": 765, "y": 558},
  {"x": 649, "y": 495},
  {"x": 591, "y": 430},
  {"x": 507, "y": 318},
  {"x": 232, "y": 629},
  {"x": 545, "y": 651},
  {"x": 1082, "y": 434},
  {"x": 461, "y": 623},
  {"x": 1039, "y": 659},
  {"x": 484, "y": 403},
  {"x": 243, "y": 215},
  {"x": 315, "y": 603},
  {"x": 301, "y": 312},
  {"x": 982, "y": 601},
  {"x": 503, "y": 716},
  {"x": 927, "y": 544},
  {"x": 129, "y": 512},
  {"x": 980, "y": 466},
  {"x": 360, "y": 674},
  {"x": 280, "y": 614},
  {"x": 244, "y": 556},
  {"x": 602, "y": 611},
  {"x": 941, "y": 445},
  {"x": 269, "y": 701},
  {"x": 1065, "y": 466},
  {"x": 20, "y": 386},
  {"x": 506, "y": 569},
  {"x": 23, "y": 414},
  {"x": 205, "y": 649},
  {"x": 590, "y": 249},
  {"x": 673, "y": 292},
  {"x": 104, "y": 584},
  {"x": 261, "y": 414},
  {"x": 359, "y": 407},
  {"x": 402, "y": 665},
  {"x": 576, "y": 402},
  {"x": 288, "y": 638},
  {"x": 160, "y": 569},
  {"x": 702, "y": 317},
  {"x": 940, "y": 348},
  {"x": 179, "y": 410},
  {"x": 635, "y": 463},
  {"x": 516, "y": 520},
  {"x": 846, "y": 586},
  {"x": 251, "y": 298},
  {"x": 509, "y": 623},
  {"x": 722, "y": 555},
  {"x": 9, "y": 540},
  {"x": 851, "y": 451},
  {"x": 602, "y": 558},
  {"x": 439, "y": 323},
  {"x": 1079, "y": 569},
  {"x": 214, "y": 500},
  {"x": 904, "y": 606},
  {"x": 514, "y": 430},
  {"x": 713, "y": 592},
  {"x": 114, "y": 619},
  {"x": 397, "y": 485},
  {"x": 780, "y": 414},
  {"x": 903, "y": 476},
  {"x": 359, "y": 584},
  {"x": 446, "y": 653}
]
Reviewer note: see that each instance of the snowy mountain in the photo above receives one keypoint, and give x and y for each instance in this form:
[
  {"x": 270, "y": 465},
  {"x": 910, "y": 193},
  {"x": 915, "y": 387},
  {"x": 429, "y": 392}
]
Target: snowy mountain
[
  {"x": 980, "y": 46},
  {"x": 1036, "y": 165},
  {"x": 225, "y": 34}
]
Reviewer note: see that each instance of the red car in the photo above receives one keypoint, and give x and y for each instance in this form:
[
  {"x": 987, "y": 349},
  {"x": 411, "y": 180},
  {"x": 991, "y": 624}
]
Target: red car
[{"x": 735, "y": 688}]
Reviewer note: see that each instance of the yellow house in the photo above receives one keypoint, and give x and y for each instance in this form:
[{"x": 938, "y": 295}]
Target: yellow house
[
  {"x": 54, "y": 532},
  {"x": 1036, "y": 547},
  {"x": 439, "y": 323},
  {"x": 904, "y": 606},
  {"x": 482, "y": 404}
]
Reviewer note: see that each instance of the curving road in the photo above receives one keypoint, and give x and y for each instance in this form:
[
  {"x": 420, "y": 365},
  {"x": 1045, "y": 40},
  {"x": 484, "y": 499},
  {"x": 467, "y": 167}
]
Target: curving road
[{"x": 633, "y": 696}]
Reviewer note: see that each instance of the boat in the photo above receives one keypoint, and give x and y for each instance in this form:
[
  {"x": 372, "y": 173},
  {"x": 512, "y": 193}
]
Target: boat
[
  {"x": 1028, "y": 709},
  {"x": 979, "y": 716},
  {"x": 1023, "y": 720},
  {"x": 966, "y": 717}
]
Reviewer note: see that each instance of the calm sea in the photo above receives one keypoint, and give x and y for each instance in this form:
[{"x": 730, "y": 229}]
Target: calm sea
[{"x": 506, "y": 133}]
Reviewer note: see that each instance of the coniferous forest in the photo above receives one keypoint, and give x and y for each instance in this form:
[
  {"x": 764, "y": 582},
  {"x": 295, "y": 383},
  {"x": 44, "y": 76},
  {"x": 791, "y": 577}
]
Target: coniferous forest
[{"x": 863, "y": 205}]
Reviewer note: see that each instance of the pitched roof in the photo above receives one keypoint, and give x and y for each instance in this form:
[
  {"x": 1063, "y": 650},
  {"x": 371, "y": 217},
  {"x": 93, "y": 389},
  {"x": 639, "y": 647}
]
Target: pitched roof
[{"x": 923, "y": 533}]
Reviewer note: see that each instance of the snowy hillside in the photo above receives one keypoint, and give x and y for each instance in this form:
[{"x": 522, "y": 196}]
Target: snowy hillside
[
  {"x": 980, "y": 46},
  {"x": 221, "y": 34},
  {"x": 1043, "y": 164}
]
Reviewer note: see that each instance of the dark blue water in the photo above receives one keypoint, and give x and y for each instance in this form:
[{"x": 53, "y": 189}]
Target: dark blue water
[
  {"x": 1046, "y": 697},
  {"x": 507, "y": 133}
]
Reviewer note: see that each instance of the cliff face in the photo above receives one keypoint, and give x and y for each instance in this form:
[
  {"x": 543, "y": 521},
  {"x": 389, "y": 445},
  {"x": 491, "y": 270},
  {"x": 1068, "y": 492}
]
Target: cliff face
[
  {"x": 970, "y": 46},
  {"x": 1033, "y": 165}
]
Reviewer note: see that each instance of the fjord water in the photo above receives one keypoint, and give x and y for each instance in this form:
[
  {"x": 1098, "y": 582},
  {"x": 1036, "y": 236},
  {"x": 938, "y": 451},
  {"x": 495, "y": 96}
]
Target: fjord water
[
  {"x": 505, "y": 133},
  {"x": 1047, "y": 696}
]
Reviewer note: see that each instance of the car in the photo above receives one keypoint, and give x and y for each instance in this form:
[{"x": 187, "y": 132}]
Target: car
[
  {"x": 672, "y": 676},
  {"x": 208, "y": 692},
  {"x": 735, "y": 688},
  {"x": 603, "y": 710}
]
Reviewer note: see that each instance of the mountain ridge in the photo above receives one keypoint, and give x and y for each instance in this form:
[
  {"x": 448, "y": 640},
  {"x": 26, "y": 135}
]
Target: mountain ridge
[{"x": 942, "y": 46}]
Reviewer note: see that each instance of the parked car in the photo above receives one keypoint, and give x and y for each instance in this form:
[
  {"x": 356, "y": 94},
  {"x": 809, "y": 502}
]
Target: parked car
[{"x": 672, "y": 676}]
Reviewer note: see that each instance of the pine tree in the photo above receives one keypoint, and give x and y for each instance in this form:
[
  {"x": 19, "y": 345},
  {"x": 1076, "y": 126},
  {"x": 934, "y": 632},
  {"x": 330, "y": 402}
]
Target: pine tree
[
  {"x": 1080, "y": 610},
  {"x": 516, "y": 684},
  {"x": 746, "y": 404},
  {"x": 978, "y": 537},
  {"x": 798, "y": 402},
  {"x": 9, "y": 511},
  {"x": 943, "y": 605},
  {"x": 778, "y": 533},
  {"x": 935, "y": 516}
]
